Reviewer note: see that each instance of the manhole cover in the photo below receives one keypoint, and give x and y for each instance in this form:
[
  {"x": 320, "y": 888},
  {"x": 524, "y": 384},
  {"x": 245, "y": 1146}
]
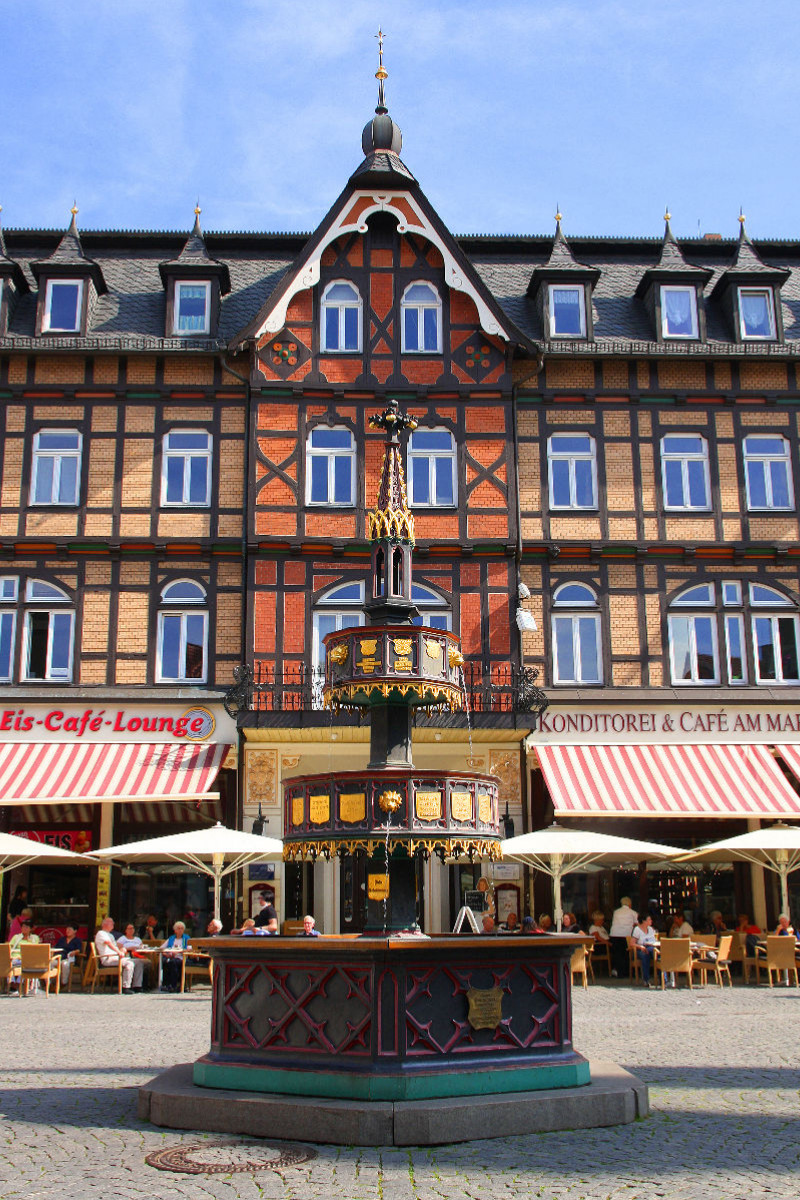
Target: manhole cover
[{"x": 222, "y": 1158}]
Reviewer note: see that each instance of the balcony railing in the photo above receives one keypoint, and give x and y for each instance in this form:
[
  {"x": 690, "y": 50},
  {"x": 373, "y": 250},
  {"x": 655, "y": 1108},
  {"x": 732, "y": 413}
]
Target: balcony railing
[{"x": 297, "y": 687}]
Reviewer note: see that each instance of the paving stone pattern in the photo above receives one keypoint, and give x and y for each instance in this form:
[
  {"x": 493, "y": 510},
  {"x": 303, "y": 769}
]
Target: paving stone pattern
[{"x": 722, "y": 1069}]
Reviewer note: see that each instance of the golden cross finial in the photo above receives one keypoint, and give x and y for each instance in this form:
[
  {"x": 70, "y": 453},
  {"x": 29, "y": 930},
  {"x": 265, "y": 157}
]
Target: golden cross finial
[{"x": 381, "y": 74}]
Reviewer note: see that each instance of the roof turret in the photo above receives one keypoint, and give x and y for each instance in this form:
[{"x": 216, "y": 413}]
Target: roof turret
[
  {"x": 194, "y": 260},
  {"x": 69, "y": 258}
]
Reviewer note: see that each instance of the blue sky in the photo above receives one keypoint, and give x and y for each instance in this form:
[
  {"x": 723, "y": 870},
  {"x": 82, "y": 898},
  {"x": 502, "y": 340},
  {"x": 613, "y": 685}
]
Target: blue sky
[{"x": 609, "y": 109}]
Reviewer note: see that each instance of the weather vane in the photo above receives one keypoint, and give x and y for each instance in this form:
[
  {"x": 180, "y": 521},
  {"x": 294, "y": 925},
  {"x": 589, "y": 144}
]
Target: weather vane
[{"x": 381, "y": 74}]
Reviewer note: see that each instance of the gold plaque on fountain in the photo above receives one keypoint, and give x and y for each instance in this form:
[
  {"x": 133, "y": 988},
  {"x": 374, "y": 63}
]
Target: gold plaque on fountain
[
  {"x": 485, "y": 808},
  {"x": 461, "y": 806},
  {"x": 353, "y": 807},
  {"x": 428, "y": 805},
  {"x": 339, "y": 653},
  {"x": 368, "y": 665},
  {"x": 433, "y": 649},
  {"x": 319, "y": 809},
  {"x": 297, "y": 810},
  {"x": 377, "y": 887},
  {"x": 402, "y": 654},
  {"x": 485, "y": 1007},
  {"x": 368, "y": 645}
]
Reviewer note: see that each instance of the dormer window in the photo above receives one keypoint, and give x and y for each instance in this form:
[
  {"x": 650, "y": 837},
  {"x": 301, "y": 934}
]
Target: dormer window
[
  {"x": 341, "y": 317},
  {"x": 679, "y": 312},
  {"x": 63, "y": 306},
  {"x": 422, "y": 319},
  {"x": 756, "y": 313},
  {"x": 192, "y": 307},
  {"x": 567, "y": 311}
]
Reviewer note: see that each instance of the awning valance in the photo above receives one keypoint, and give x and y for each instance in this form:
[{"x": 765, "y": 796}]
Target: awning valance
[
  {"x": 49, "y": 772},
  {"x": 666, "y": 781}
]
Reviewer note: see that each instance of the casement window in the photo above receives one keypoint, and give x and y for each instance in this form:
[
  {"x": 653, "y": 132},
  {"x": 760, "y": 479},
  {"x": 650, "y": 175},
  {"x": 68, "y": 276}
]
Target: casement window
[
  {"x": 56, "y": 473},
  {"x": 756, "y": 314},
  {"x": 678, "y": 312},
  {"x": 434, "y": 611},
  {"x": 684, "y": 470},
  {"x": 330, "y": 466},
  {"x": 341, "y": 317},
  {"x": 421, "y": 318},
  {"x": 339, "y": 608},
  {"x": 768, "y": 472},
  {"x": 567, "y": 311},
  {"x": 577, "y": 656},
  {"x": 432, "y": 468},
  {"x": 48, "y": 634},
  {"x": 572, "y": 471},
  {"x": 693, "y": 649},
  {"x": 775, "y": 637},
  {"x": 63, "y": 305},
  {"x": 9, "y": 589},
  {"x": 186, "y": 468},
  {"x": 192, "y": 308},
  {"x": 182, "y": 643}
]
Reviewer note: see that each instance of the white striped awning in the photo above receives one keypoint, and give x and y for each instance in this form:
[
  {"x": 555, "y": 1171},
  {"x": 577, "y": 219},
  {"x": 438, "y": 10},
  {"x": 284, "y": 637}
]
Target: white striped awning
[
  {"x": 666, "y": 781},
  {"x": 50, "y": 772}
]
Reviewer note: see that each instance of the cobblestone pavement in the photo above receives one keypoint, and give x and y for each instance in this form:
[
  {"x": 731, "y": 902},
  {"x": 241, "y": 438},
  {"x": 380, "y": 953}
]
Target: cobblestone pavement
[{"x": 724, "y": 1082}]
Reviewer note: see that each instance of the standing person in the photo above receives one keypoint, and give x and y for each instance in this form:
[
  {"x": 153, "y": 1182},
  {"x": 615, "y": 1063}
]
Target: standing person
[
  {"x": 645, "y": 937},
  {"x": 172, "y": 956},
  {"x": 19, "y": 902},
  {"x": 266, "y": 917},
  {"x": 623, "y": 922},
  {"x": 66, "y": 948},
  {"x": 109, "y": 953},
  {"x": 22, "y": 918}
]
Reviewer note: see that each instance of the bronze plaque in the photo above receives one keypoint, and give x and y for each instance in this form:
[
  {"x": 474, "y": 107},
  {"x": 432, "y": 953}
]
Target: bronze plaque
[
  {"x": 485, "y": 807},
  {"x": 461, "y": 806},
  {"x": 319, "y": 809},
  {"x": 485, "y": 1007},
  {"x": 378, "y": 887},
  {"x": 353, "y": 807},
  {"x": 297, "y": 810},
  {"x": 428, "y": 805}
]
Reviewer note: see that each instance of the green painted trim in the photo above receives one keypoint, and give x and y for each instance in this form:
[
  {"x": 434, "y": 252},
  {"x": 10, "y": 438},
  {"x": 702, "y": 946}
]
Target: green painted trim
[
  {"x": 656, "y": 399},
  {"x": 529, "y": 398},
  {"x": 342, "y": 1085},
  {"x": 265, "y": 391},
  {"x": 144, "y": 395}
]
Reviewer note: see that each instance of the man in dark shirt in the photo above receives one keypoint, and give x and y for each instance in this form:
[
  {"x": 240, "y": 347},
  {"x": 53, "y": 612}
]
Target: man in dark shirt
[
  {"x": 266, "y": 918},
  {"x": 67, "y": 947}
]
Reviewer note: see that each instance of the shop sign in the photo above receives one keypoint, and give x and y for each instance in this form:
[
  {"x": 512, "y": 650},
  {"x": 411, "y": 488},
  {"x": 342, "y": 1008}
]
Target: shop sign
[
  {"x": 378, "y": 887},
  {"x": 506, "y": 870},
  {"x": 115, "y": 723},
  {"x": 684, "y": 724},
  {"x": 103, "y": 893},
  {"x": 77, "y": 840}
]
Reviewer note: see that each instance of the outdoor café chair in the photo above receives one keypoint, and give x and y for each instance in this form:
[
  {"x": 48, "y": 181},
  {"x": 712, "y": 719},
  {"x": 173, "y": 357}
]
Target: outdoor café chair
[
  {"x": 714, "y": 959},
  {"x": 77, "y": 967},
  {"x": 675, "y": 958},
  {"x": 601, "y": 954},
  {"x": 191, "y": 969},
  {"x": 7, "y": 969},
  {"x": 781, "y": 957},
  {"x": 39, "y": 964},
  {"x": 580, "y": 965},
  {"x": 634, "y": 966},
  {"x": 704, "y": 939},
  {"x": 95, "y": 970}
]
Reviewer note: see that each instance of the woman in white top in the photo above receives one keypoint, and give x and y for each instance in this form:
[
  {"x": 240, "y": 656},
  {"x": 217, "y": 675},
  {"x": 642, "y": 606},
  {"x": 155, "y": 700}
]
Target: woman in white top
[
  {"x": 597, "y": 929},
  {"x": 645, "y": 937},
  {"x": 622, "y": 925}
]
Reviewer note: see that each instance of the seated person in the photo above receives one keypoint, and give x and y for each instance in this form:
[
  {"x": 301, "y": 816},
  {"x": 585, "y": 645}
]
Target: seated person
[
  {"x": 751, "y": 935},
  {"x": 645, "y": 938},
  {"x": 67, "y": 947},
  {"x": 213, "y": 929},
  {"x": 172, "y": 958},
  {"x": 597, "y": 929},
  {"x": 784, "y": 927},
  {"x": 25, "y": 934},
  {"x": 569, "y": 923},
  {"x": 679, "y": 926},
  {"x": 128, "y": 939},
  {"x": 546, "y": 923},
  {"x": 529, "y": 925},
  {"x": 716, "y": 924},
  {"x": 150, "y": 931},
  {"x": 308, "y": 927},
  {"x": 109, "y": 954},
  {"x": 510, "y": 924},
  {"x": 488, "y": 924},
  {"x": 266, "y": 917}
]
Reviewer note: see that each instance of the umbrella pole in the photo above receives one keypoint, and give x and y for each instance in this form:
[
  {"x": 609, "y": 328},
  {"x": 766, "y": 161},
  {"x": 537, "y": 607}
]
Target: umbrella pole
[
  {"x": 784, "y": 874},
  {"x": 558, "y": 912},
  {"x": 218, "y": 861}
]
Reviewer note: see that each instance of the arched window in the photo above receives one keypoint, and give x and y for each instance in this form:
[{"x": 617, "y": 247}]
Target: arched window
[
  {"x": 693, "y": 638},
  {"x": 775, "y": 636},
  {"x": 421, "y": 314},
  {"x": 684, "y": 471},
  {"x": 182, "y": 646},
  {"x": 434, "y": 611},
  {"x": 339, "y": 608},
  {"x": 577, "y": 656},
  {"x": 48, "y": 634},
  {"x": 186, "y": 468},
  {"x": 432, "y": 468},
  {"x": 768, "y": 472},
  {"x": 341, "y": 317},
  {"x": 330, "y": 466}
]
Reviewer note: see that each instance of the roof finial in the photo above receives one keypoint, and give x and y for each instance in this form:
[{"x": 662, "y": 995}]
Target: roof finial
[
  {"x": 73, "y": 225},
  {"x": 197, "y": 210},
  {"x": 381, "y": 74},
  {"x": 742, "y": 229}
]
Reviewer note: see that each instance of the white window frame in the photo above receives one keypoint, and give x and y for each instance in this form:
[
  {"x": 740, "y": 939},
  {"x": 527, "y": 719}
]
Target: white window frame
[
  {"x": 685, "y": 457},
  {"x": 576, "y": 611},
  {"x": 341, "y": 306},
  {"x": 11, "y": 615},
  {"x": 431, "y": 607},
  {"x": 775, "y": 599},
  {"x": 186, "y": 454},
  {"x": 200, "y": 598},
  {"x": 421, "y": 309},
  {"x": 62, "y": 675},
  {"x": 758, "y": 337},
  {"x": 666, "y": 288},
  {"x": 773, "y": 618},
  {"x": 330, "y": 453},
  {"x": 687, "y": 598},
  {"x": 58, "y": 457},
  {"x": 764, "y": 460},
  {"x": 734, "y": 600},
  {"x": 13, "y": 595},
  {"x": 178, "y": 610},
  {"x": 567, "y": 287},
  {"x": 694, "y": 680},
  {"x": 176, "y": 307},
  {"x": 736, "y": 619},
  {"x": 572, "y": 457},
  {"x": 47, "y": 325},
  {"x": 413, "y": 455}
]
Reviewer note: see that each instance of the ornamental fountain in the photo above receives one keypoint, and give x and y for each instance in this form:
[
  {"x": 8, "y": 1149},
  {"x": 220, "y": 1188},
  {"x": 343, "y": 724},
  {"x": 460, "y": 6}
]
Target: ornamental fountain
[{"x": 392, "y": 1037}]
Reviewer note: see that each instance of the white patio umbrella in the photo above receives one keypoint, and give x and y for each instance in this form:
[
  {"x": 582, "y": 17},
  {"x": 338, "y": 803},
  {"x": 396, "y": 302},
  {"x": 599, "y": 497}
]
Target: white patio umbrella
[
  {"x": 777, "y": 848},
  {"x": 558, "y": 850},
  {"x": 16, "y": 851},
  {"x": 217, "y": 852}
]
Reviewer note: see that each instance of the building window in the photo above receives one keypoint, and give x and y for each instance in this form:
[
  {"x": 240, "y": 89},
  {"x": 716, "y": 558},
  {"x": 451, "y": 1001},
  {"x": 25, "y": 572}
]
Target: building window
[
  {"x": 756, "y": 313},
  {"x": 9, "y": 587},
  {"x": 339, "y": 608},
  {"x": 434, "y": 612},
  {"x": 341, "y": 317},
  {"x": 775, "y": 641},
  {"x": 432, "y": 467},
  {"x": 693, "y": 637},
  {"x": 186, "y": 468},
  {"x": 56, "y": 467},
  {"x": 734, "y": 644},
  {"x": 573, "y": 471},
  {"x": 731, "y": 593},
  {"x": 63, "y": 301},
  {"x": 182, "y": 635},
  {"x": 768, "y": 472},
  {"x": 684, "y": 467},
  {"x": 192, "y": 308},
  {"x": 421, "y": 319},
  {"x": 678, "y": 312},
  {"x": 331, "y": 456},
  {"x": 48, "y": 634},
  {"x": 567, "y": 313},
  {"x": 576, "y": 636}
]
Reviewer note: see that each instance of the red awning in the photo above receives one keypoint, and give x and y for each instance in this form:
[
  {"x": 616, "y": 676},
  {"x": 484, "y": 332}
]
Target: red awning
[
  {"x": 666, "y": 781},
  {"x": 46, "y": 772}
]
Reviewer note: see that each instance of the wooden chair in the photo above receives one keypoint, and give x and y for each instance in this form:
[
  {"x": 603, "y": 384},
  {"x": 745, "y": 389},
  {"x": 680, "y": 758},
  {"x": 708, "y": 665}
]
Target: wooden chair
[
  {"x": 203, "y": 970},
  {"x": 705, "y": 939},
  {"x": 78, "y": 968},
  {"x": 95, "y": 970},
  {"x": 601, "y": 955},
  {"x": 39, "y": 964},
  {"x": 7, "y": 969},
  {"x": 781, "y": 957},
  {"x": 634, "y": 966},
  {"x": 720, "y": 964},
  {"x": 675, "y": 958},
  {"x": 750, "y": 962},
  {"x": 580, "y": 964}
]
